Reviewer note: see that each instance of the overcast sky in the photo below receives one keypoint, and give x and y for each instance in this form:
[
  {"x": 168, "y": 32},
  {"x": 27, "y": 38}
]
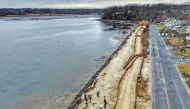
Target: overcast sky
[{"x": 76, "y": 3}]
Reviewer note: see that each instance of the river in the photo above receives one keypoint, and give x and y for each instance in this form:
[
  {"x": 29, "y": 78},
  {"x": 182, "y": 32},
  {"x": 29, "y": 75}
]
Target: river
[{"x": 49, "y": 60}]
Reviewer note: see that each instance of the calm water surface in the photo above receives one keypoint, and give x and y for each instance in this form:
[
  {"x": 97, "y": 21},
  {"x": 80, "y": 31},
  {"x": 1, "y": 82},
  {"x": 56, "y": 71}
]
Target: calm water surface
[{"x": 41, "y": 59}]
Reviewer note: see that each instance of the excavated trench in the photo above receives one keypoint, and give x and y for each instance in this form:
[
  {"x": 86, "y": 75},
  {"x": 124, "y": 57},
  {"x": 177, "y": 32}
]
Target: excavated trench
[{"x": 123, "y": 81}]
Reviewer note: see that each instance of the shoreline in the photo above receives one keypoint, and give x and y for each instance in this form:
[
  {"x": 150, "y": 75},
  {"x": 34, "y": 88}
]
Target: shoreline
[
  {"x": 93, "y": 78},
  {"x": 125, "y": 81},
  {"x": 41, "y": 15},
  {"x": 45, "y": 17}
]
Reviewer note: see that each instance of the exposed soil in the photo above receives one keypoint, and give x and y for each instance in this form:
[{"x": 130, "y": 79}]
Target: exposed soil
[{"x": 123, "y": 81}]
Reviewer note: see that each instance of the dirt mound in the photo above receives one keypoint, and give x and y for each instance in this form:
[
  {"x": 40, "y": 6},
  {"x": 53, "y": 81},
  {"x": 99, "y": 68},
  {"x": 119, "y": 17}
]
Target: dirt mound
[{"x": 141, "y": 87}]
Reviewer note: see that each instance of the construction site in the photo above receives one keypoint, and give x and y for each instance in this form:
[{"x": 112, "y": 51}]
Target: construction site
[{"x": 125, "y": 81}]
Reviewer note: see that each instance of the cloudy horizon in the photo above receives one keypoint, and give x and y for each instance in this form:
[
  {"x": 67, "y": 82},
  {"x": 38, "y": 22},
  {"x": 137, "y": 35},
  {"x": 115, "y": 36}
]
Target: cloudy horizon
[{"x": 77, "y": 3}]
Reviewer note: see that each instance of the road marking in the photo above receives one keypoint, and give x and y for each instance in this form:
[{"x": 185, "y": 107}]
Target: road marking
[
  {"x": 185, "y": 84},
  {"x": 164, "y": 43},
  {"x": 165, "y": 90},
  {"x": 176, "y": 88},
  {"x": 172, "y": 75},
  {"x": 152, "y": 68},
  {"x": 155, "y": 46},
  {"x": 153, "y": 88},
  {"x": 175, "y": 67}
]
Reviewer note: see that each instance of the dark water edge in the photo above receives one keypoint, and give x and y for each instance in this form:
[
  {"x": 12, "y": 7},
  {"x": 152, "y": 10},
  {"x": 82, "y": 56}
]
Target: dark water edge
[
  {"x": 93, "y": 78},
  {"x": 36, "y": 18}
]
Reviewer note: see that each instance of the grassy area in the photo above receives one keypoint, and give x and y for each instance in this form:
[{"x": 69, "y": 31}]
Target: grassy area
[
  {"x": 176, "y": 42},
  {"x": 186, "y": 54},
  {"x": 160, "y": 27},
  {"x": 184, "y": 69},
  {"x": 164, "y": 30},
  {"x": 178, "y": 47}
]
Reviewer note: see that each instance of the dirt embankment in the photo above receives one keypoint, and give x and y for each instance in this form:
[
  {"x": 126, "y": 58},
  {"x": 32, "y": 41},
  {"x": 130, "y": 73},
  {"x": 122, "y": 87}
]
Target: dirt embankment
[
  {"x": 129, "y": 96},
  {"x": 119, "y": 84},
  {"x": 143, "y": 85}
]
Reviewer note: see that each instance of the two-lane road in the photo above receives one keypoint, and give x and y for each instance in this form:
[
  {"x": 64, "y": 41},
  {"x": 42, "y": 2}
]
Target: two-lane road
[{"x": 168, "y": 89}]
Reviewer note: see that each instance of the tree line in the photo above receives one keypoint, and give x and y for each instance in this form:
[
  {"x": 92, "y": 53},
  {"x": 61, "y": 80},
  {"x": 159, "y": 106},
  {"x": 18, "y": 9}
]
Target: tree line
[
  {"x": 145, "y": 12},
  {"x": 128, "y": 12},
  {"x": 27, "y": 11}
]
